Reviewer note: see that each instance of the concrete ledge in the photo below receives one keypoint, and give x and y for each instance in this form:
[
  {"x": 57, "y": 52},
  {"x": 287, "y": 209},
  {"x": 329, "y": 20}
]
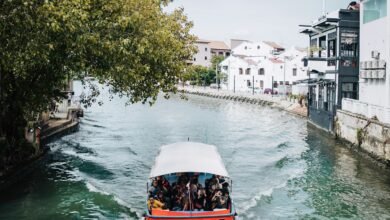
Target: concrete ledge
[
  {"x": 364, "y": 134},
  {"x": 291, "y": 108}
]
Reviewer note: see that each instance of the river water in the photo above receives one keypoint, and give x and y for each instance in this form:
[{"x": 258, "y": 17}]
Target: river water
[{"x": 281, "y": 167}]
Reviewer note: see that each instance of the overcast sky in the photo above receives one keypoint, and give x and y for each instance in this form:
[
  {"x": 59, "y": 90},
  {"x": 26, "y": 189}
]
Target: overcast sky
[{"x": 256, "y": 20}]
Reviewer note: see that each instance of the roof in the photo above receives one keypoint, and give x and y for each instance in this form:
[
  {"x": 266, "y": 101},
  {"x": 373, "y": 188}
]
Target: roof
[
  {"x": 273, "y": 44},
  {"x": 187, "y": 157},
  {"x": 219, "y": 45},
  {"x": 202, "y": 41}
]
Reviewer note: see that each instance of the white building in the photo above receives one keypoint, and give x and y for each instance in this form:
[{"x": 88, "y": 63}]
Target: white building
[
  {"x": 261, "y": 66},
  {"x": 207, "y": 49},
  {"x": 374, "y": 83}
]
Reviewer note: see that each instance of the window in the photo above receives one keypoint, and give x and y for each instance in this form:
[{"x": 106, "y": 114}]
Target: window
[
  {"x": 332, "y": 51},
  {"x": 248, "y": 83},
  {"x": 374, "y": 10},
  {"x": 261, "y": 71},
  {"x": 281, "y": 83},
  {"x": 205, "y": 58},
  {"x": 246, "y": 47},
  {"x": 313, "y": 46},
  {"x": 258, "y": 47},
  {"x": 220, "y": 53},
  {"x": 225, "y": 67},
  {"x": 349, "y": 90},
  {"x": 321, "y": 96},
  {"x": 349, "y": 43},
  {"x": 240, "y": 71},
  {"x": 322, "y": 49},
  {"x": 261, "y": 84},
  {"x": 312, "y": 96},
  {"x": 194, "y": 58},
  {"x": 287, "y": 83},
  {"x": 205, "y": 49},
  {"x": 295, "y": 72},
  {"x": 248, "y": 71},
  {"x": 227, "y": 54}
]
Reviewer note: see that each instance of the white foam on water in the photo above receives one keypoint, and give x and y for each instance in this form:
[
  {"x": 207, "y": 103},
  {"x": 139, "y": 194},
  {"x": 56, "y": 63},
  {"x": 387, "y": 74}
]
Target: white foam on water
[
  {"x": 244, "y": 207},
  {"x": 93, "y": 188},
  {"x": 253, "y": 202},
  {"x": 119, "y": 201}
]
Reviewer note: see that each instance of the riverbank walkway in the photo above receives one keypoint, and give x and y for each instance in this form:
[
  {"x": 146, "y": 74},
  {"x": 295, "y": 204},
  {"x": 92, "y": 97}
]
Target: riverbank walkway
[{"x": 277, "y": 101}]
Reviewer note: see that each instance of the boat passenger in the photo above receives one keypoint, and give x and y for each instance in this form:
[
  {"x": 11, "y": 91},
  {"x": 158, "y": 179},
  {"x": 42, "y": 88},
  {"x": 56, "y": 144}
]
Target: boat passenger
[
  {"x": 153, "y": 203},
  {"x": 154, "y": 189},
  {"x": 200, "y": 200}
]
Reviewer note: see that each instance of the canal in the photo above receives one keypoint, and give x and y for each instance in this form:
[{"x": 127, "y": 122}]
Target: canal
[{"x": 281, "y": 167}]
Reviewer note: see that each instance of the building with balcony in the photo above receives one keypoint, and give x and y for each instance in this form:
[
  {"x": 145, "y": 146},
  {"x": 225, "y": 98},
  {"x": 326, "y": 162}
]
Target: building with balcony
[
  {"x": 333, "y": 64},
  {"x": 374, "y": 84}
]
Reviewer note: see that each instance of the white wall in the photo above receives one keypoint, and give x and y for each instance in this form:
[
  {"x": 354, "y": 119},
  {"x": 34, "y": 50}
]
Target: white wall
[
  {"x": 275, "y": 69},
  {"x": 253, "y": 49},
  {"x": 374, "y": 36},
  {"x": 203, "y": 51}
]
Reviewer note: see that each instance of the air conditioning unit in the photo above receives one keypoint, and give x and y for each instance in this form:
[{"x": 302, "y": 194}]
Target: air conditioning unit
[
  {"x": 375, "y": 64},
  {"x": 381, "y": 74},
  {"x": 362, "y": 65},
  {"x": 363, "y": 74},
  {"x": 375, "y": 54},
  {"x": 369, "y": 74},
  {"x": 368, "y": 64},
  {"x": 382, "y": 64},
  {"x": 374, "y": 74}
]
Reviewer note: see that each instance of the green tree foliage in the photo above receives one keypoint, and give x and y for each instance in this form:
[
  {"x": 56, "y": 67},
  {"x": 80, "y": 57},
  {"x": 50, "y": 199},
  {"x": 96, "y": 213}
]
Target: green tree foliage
[
  {"x": 131, "y": 45},
  {"x": 203, "y": 76},
  {"x": 215, "y": 61}
]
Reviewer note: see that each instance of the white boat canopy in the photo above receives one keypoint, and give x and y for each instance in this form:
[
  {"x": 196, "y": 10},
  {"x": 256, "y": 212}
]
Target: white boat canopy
[{"x": 188, "y": 157}]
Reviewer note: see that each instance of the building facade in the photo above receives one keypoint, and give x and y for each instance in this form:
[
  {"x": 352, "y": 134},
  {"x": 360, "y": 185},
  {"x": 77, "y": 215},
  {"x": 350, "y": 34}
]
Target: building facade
[
  {"x": 258, "y": 67},
  {"x": 333, "y": 64},
  {"x": 374, "y": 92},
  {"x": 207, "y": 49}
]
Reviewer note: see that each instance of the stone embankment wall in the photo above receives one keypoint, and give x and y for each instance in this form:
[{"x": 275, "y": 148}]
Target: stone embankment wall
[
  {"x": 256, "y": 99},
  {"x": 367, "y": 135}
]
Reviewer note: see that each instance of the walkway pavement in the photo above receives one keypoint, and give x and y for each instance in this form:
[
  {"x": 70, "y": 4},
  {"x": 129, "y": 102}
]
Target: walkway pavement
[{"x": 278, "y": 101}]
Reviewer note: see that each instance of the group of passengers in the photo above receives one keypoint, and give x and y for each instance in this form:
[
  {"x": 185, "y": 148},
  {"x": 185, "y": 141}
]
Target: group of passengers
[{"x": 188, "y": 194}]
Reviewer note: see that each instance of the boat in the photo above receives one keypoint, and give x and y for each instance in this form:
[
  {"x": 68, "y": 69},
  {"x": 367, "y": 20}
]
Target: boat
[{"x": 189, "y": 181}]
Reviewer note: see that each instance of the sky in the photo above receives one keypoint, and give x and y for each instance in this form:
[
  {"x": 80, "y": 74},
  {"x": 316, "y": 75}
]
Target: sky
[{"x": 255, "y": 20}]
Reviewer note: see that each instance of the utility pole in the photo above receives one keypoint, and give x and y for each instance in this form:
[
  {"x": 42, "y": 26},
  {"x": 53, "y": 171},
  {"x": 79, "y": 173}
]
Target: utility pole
[
  {"x": 234, "y": 84},
  {"x": 216, "y": 76}
]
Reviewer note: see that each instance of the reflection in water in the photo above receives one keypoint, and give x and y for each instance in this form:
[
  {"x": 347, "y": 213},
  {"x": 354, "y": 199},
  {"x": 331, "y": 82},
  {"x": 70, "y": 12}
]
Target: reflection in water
[{"x": 280, "y": 166}]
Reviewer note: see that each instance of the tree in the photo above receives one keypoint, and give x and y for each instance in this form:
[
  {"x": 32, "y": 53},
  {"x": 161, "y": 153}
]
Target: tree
[
  {"x": 215, "y": 61},
  {"x": 132, "y": 46}
]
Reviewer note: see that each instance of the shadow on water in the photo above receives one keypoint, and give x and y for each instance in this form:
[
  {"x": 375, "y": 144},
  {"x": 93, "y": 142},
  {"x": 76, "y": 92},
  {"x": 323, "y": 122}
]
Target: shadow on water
[
  {"x": 55, "y": 191},
  {"x": 342, "y": 184}
]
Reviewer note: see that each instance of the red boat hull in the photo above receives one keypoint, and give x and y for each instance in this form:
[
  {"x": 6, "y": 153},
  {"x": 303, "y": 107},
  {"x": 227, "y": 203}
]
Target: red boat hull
[{"x": 212, "y": 215}]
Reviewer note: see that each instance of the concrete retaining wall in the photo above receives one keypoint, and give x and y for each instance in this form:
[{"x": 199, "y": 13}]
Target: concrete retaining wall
[
  {"x": 263, "y": 100},
  {"x": 367, "y": 135}
]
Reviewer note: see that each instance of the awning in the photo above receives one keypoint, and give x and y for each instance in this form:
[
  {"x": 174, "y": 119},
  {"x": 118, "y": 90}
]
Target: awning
[{"x": 188, "y": 157}]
